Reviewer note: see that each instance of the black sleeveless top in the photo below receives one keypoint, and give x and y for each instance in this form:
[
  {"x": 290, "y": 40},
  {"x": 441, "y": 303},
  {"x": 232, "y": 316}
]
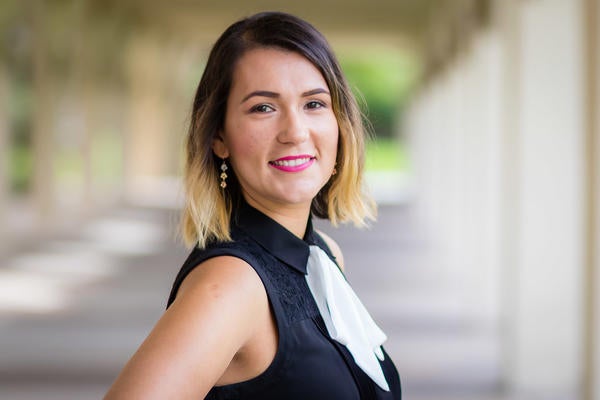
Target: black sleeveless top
[{"x": 308, "y": 364}]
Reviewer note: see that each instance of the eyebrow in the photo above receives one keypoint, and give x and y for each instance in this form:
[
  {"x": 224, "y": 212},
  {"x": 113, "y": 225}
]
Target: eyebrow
[{"x": 274, "y": 95}]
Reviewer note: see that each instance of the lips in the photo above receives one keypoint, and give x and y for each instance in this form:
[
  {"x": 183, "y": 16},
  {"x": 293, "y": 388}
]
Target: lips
[{"x": 293, "y": 163}]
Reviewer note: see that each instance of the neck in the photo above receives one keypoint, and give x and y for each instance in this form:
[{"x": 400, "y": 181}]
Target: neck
[{"x": 292, "y": 217}]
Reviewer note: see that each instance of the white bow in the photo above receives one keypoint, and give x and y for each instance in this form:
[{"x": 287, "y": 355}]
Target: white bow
[{"x": 346, "y": 318}]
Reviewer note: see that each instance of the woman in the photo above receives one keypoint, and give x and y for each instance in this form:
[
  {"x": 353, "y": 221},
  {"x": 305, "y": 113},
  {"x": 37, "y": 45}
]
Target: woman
[{"x": 260, "y": 309}]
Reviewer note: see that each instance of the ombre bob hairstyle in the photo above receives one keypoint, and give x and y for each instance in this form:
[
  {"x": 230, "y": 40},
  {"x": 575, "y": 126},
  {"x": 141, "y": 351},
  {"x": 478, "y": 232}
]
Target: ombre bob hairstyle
[{"x": 208, "y": 207}]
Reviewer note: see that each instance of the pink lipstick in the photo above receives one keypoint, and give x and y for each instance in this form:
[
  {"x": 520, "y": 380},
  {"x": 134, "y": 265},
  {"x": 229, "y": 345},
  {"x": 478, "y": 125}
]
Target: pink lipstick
[{"x": 293, "y": 163}]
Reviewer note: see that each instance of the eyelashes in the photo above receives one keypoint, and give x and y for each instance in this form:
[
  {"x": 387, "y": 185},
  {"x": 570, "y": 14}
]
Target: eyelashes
[
  {"x": 266, "y": 108},
  {"x": 262, "y": 108},
  {"x": 315, "y": 104}
]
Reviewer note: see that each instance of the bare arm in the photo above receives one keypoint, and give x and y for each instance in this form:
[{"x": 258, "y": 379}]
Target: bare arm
[
  {"x": 335, "y": 249},
  {"x": 194, "y": 341}
]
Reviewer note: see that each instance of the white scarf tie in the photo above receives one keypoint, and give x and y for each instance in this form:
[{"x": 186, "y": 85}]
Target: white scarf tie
[{"x": 346, "y": 318}]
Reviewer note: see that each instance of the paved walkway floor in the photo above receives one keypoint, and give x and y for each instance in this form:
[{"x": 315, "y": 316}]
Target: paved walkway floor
[{"x": 74, "y": 307}]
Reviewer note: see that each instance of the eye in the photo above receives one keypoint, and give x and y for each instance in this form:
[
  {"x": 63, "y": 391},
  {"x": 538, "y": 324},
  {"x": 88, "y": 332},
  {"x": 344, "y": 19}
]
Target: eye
[
  {"x": 262, "y": 108},
  {"x": 315, "y": 104}
]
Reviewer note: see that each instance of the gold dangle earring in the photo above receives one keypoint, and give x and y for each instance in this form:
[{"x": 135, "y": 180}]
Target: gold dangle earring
[{"x": 223, "y": 174}]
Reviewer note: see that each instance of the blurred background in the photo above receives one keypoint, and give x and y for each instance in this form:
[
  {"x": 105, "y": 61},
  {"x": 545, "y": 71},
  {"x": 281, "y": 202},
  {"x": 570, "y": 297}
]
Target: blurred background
[{"x": 483, "y": 267}]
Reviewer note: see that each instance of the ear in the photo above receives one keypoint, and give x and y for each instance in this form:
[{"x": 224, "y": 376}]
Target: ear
[{"x": 219, "y": 147}]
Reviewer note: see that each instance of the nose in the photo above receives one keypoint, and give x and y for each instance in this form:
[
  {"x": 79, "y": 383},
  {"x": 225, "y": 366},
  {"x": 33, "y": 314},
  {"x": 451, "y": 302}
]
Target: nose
[{"x": 293, "y": 128}]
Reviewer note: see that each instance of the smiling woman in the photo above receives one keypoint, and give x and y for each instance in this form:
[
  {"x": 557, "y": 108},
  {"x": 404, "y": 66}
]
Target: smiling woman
[
  {"x": 261, "y": 309},
  {"x": 282, "y": 138}
]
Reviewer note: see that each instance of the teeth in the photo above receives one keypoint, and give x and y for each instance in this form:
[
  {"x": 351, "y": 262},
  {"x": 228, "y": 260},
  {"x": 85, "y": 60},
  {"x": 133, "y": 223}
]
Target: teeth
[{"x": 291, "y": 163}]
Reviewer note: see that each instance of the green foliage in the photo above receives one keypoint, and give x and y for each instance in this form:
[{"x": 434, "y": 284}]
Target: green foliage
[
  {"x": 107, "y": 157},
  {"x": 386, "y": 154},
  {"x": 382, "y": 78},
  {"x": 20, "y": 157},
  {"x": 21, "y": 167}
]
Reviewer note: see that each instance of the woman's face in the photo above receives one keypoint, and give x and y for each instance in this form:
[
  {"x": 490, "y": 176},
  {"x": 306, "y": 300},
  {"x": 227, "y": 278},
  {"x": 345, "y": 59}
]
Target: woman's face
[{"x": 280, "y": 132}]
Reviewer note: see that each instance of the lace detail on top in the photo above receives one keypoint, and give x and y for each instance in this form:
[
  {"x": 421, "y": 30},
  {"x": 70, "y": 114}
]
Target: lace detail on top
[{"x": 287, "y": 287}]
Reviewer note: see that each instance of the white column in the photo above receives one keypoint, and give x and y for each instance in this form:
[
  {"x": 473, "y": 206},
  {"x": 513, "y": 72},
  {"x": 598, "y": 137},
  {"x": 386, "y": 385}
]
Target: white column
[
  {"x": 454, "y": 134},
  {"x": 43, "y": 128},
  {"x": 546, "y": 321},
  {"x": 505, "y": 21},
  {"x": 147, "y": 146},
  {"x": 480, "y": 208},
  {"x": 499, "y": 141},
  {"x": 592, "y": 19}
]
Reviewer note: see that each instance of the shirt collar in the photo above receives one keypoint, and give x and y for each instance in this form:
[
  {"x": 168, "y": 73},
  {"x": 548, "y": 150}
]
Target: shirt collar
[{"x": 274, "y": 238}]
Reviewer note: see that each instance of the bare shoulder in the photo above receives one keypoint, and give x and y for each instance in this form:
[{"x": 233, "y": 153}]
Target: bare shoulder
[
  {"x": 334, "y": 247},
  {"x": 221, "y": 277},
  {"x": 213, "y": 316}
]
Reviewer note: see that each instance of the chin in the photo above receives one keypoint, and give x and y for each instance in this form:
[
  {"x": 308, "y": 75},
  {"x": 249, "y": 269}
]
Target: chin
[{"x": 298, "y": 197}]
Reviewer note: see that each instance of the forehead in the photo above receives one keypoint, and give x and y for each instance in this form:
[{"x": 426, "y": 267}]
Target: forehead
[{"x": 275, "y": 69}]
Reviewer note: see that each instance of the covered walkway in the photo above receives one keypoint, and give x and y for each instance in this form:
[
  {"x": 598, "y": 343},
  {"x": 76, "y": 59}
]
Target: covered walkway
[{"x": 489, "y": 260}]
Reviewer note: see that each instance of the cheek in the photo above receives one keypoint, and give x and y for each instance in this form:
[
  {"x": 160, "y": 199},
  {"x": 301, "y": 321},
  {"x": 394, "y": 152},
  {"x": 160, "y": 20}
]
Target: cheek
[
  {"x": 245, "y": 149},
  {"x": 332, "y": 137}
]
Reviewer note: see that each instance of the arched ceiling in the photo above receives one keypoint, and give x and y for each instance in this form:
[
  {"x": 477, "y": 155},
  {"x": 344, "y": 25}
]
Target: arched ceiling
[
  {"x": 433, "y": 29},
  {"x": 401, "y": 20}
]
